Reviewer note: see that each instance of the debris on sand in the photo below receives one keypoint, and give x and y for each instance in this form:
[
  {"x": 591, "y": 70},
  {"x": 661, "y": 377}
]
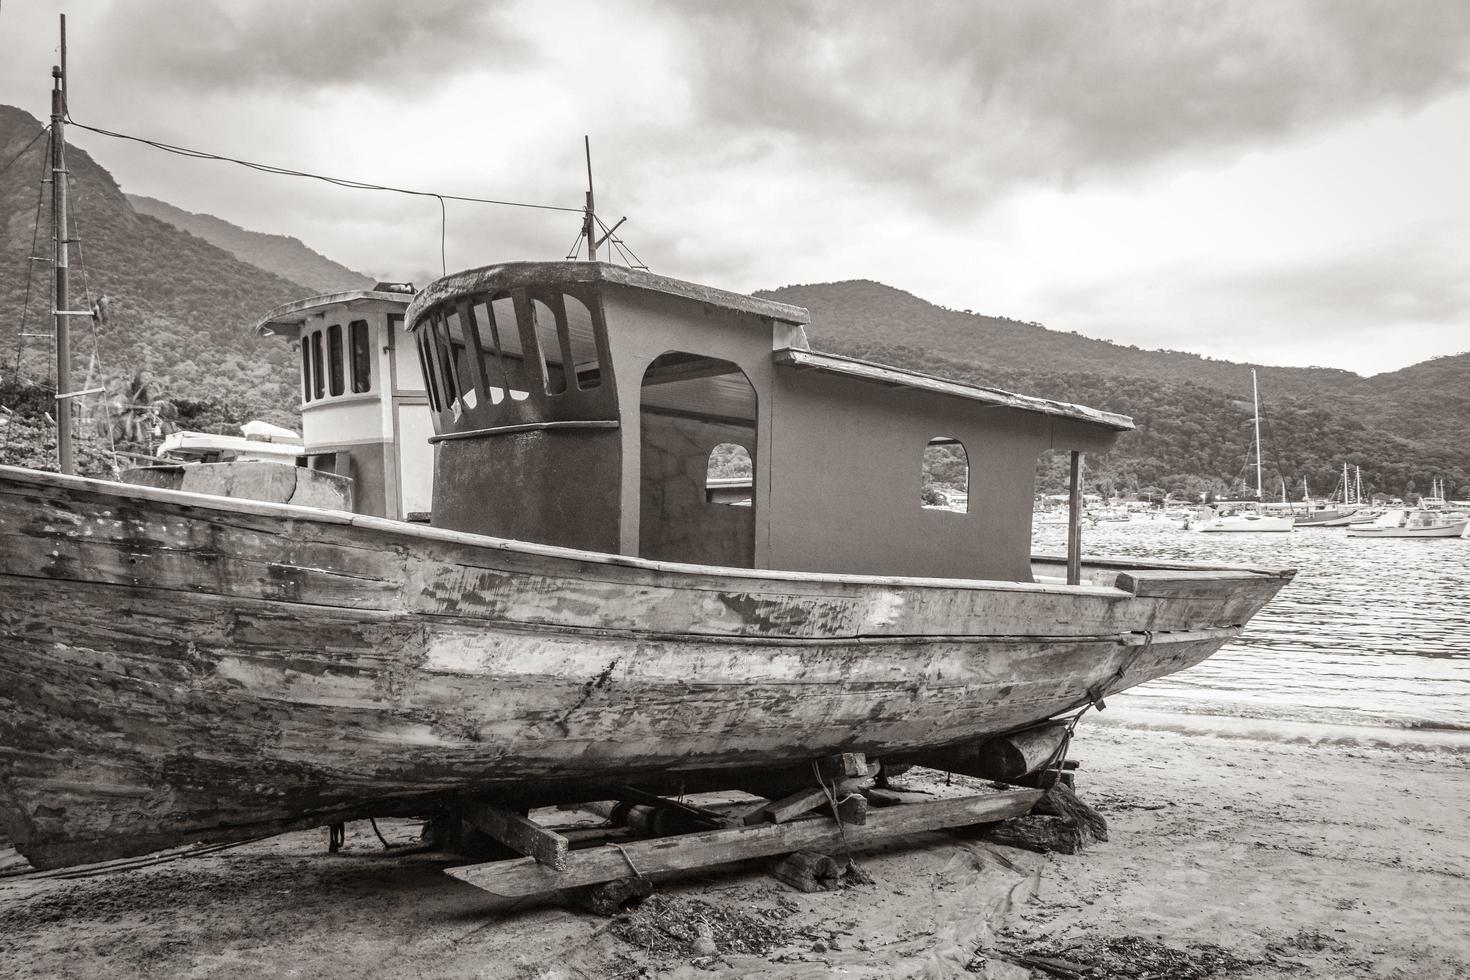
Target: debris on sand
[
  {"x": 674, "y": 926},
  {"x": 1131, "y": 958}
]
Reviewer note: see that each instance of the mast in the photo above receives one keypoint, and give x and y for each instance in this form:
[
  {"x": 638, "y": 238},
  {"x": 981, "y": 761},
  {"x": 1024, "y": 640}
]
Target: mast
[
  {"x": 1345, "y": 484},
  {"x": 60, "y": 311},
  {"x": 1256, "y": 400},
  {"x": 589, "y": 214},
  {"x": 1358, "y": 486}
]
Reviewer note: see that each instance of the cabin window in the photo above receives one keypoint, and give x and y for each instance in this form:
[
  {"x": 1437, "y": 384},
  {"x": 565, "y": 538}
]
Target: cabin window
[
  {"x": 457, "y": 350},
  {"x": 729, "y": 476},
  {"x": 944, "y": 478},
  {"x": 335, "y": 366},
  {"x": 362, "y": 357},
  {"x": 306, "y": 369},
  {"x": 318, "y": 381},
  {"x": 426, "y": 365},
  {"x": 512, "y": 353},
  {"x": 586, "y": 358},
  {"x": 549, "y": 347},
  {"x": 449, "y": 384}
]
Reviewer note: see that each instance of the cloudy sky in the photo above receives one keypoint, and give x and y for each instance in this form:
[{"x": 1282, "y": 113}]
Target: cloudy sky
[{"x": 1280, "y": 181}]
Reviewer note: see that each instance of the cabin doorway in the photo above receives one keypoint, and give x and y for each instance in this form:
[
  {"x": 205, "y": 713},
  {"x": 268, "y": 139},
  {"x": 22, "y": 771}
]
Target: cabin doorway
[{"x": 697, "y": 451}]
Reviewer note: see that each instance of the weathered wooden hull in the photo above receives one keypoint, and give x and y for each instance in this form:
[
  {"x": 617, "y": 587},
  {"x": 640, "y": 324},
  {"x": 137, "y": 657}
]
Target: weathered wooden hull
[{"x": 176, "y": 667}]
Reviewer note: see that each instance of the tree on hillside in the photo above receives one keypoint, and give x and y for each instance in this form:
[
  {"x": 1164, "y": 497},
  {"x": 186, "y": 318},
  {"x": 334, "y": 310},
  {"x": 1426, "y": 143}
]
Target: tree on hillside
[{"x": 139, "y": 414}]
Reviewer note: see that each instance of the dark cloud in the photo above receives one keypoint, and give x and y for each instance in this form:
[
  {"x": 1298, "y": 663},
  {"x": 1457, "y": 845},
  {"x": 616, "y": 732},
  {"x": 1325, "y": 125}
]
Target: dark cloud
[
  {"x": 981, "y": 96},
  {"x": 316, "y": 44}
]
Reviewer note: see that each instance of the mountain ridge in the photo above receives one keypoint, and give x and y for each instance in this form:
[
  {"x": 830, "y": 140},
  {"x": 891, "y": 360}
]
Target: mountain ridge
[{"x": 287, "y": 257}]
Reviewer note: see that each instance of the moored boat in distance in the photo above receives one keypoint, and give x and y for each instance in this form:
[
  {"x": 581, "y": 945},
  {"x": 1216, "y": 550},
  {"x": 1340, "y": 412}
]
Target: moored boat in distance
[
  {"x": 1413, "y": 523},
  {"x": 1241, "y": 517},
  {"x": 590, "y": 608}
]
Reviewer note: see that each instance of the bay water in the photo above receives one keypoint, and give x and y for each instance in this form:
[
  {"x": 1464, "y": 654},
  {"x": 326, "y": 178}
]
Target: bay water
[{"x": 1372, "y": 636}]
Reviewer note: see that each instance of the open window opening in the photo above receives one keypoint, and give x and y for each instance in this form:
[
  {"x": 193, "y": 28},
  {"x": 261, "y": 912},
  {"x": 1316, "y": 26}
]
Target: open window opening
[
  {"x": 697, "y": 413},
  {"x": 729, "y": 476},
  {"x": 944, "y": 477}
]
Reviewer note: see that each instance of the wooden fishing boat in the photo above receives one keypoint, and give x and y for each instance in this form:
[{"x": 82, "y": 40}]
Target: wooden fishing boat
[{"x": 590, "y": 608}]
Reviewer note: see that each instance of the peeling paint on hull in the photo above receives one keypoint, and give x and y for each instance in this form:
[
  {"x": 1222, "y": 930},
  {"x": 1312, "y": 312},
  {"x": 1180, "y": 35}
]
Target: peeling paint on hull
[{"x": 176, "y": 668}]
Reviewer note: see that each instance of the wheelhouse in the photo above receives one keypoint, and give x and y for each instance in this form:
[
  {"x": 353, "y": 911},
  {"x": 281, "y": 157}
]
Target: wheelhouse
[
  {"x": 363, "y": 401},
  {"x": 598, "y": 407}
]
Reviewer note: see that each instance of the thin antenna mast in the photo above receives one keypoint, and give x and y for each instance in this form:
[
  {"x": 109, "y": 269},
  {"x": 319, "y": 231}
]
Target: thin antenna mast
[
  {"x": 64, "y": 455},
  {"x": 589, "y": 214}
]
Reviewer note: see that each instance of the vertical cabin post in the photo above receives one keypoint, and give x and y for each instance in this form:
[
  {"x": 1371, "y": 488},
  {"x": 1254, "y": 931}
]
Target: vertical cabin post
[{"x": 1074, "y": 522}]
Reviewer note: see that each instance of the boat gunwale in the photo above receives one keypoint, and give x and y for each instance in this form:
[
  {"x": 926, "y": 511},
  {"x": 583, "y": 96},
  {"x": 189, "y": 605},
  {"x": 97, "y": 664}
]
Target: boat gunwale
[{"x": 779, "y": 577}]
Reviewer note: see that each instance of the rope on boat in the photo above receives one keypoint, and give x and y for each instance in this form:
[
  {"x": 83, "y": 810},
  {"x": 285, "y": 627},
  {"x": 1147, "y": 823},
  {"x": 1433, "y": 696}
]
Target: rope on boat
[{"x": 834, "y": 803}]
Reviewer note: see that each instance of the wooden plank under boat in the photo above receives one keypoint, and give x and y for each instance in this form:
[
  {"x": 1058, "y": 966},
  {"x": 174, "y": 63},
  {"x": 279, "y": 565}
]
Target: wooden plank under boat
[{"x": 178, "y": 667}]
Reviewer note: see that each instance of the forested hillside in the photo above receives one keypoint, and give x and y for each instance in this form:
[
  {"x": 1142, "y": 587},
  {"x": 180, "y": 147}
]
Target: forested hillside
[
  {"x": 178, "y": 308},
  {"x": 175, "y": 349},
  {"x": 287, "y": 257},
  {"x": 1193, "y": 413}
]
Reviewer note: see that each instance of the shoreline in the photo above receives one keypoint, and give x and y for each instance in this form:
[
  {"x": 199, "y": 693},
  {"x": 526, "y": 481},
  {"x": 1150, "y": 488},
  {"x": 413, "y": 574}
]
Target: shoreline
[{"x": 1305, "y": 859}]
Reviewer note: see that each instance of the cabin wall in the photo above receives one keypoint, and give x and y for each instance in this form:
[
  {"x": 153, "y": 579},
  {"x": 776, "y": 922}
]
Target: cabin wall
[
  {"x": 643, "y": 325},
  {"x": 846, "y": 477},
  {"x": 679, "y": 522},
  {"x": 548, "y": 486}
]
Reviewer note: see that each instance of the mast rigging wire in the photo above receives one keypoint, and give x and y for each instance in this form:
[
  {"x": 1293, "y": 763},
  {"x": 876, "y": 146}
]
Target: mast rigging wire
[
  {"x": 290, "y": 172},
  {"x": 363, "y": 185}
]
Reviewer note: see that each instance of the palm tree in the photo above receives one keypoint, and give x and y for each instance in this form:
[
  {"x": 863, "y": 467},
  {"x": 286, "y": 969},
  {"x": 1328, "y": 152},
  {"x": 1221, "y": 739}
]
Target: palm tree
[{"x": 140, "y": 413}]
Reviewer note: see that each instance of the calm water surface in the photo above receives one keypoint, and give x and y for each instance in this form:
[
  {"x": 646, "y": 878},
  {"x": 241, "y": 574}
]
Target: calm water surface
[{"x": 1371, "y": 632}]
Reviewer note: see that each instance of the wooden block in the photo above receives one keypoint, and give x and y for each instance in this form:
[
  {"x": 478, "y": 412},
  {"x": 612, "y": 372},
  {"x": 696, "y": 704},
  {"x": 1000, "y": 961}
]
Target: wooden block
[
  {"x": 853, "y": 809},
  {"x": 524, "y": 876},
  {"x": 611, "y": 897},
  {"x": 795, "y": 805},
  {"x": 1033, "y": 832},
  {"x": 520, "y": 834},
  {"x": 809, "y": 871},
  {"x": 894, "y": 797},
  {"x": 845, "y": 764}
]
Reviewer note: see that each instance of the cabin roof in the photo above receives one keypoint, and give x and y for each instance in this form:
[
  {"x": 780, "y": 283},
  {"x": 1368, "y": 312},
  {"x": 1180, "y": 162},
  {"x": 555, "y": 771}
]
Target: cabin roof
[
  {"x": 851, "y": 367},
  {"x": 507, "y": 275},
  {"x": 293, "y": 314}
]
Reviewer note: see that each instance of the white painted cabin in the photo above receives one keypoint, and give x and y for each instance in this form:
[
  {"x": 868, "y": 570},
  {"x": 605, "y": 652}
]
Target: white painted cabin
[{"x": 364, "y": 410}]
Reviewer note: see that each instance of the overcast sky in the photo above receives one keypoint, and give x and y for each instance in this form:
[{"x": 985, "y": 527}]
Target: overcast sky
[{"x": 1277, "y": 181}]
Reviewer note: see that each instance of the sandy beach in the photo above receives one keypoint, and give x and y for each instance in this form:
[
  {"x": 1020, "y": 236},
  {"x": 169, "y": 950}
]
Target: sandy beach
[{"x": 1229, "y": 855}]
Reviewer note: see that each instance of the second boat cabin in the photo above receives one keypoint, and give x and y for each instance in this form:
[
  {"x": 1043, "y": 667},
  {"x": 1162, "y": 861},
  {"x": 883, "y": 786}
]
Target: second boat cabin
[
  {"x": 598, "y": 407},
  {"x": 363, "y": 402}
]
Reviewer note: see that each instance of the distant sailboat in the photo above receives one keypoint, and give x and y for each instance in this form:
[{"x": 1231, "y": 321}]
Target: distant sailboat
[{"x": 1248, "y": 516}]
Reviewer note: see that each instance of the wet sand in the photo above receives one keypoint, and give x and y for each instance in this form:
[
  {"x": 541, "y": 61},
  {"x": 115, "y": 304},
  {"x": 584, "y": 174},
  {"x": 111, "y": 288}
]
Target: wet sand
[{"x": 1228, "y": 856}]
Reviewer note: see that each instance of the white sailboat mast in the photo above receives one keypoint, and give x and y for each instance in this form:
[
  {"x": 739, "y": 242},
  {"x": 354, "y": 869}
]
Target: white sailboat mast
[{"x": 1256, "y": 400}]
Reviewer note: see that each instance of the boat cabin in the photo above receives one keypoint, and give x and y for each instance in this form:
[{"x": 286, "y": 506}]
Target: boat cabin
[
  {"x": 594, "y": 406},
  {"x": 363, "y": 400}
]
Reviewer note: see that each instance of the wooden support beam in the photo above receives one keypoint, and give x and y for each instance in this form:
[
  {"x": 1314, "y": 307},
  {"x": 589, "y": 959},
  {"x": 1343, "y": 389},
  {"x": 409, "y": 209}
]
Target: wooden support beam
[
  {"x": 793, "y": 806},
  {"x": 525, "y": 876},
  {"x": 520, "y": 834}
]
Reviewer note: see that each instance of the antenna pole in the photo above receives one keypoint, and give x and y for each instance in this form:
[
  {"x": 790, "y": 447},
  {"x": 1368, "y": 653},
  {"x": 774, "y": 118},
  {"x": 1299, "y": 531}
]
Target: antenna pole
[
  {"x": 64, "y": 455},
  {"x": 589, "y": 214},
  {"x": 1256, "y": 399}
]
